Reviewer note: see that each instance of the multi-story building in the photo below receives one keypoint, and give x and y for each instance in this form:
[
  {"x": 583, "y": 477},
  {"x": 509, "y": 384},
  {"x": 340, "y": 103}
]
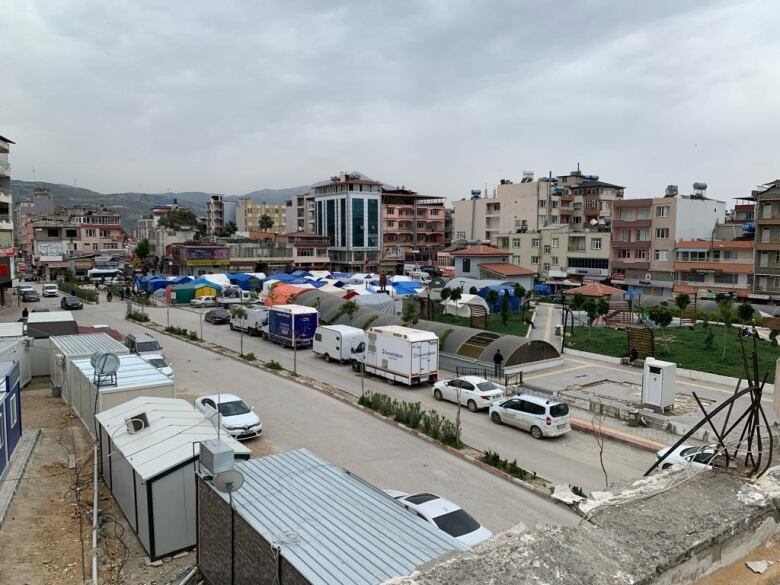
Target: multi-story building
[
  {"x": 7, "y": 251},
  {"x": 580, "y": 201},
  {"x": 39, "y": 204},
  {"x": 713, "y": 266},
  {"x": 309, "y": 250},
  {"x": 300, "y": 213},
  {"x": 249, "y": 215},
  {"x": 194, "y": 259},
  {"x": 99, "y": 230},
  {"x": 766, "y": 283},
  {"x": 448, "y": 226},
  {"x": 347, "y": 213},
  {"x": 413, "y": 227},
  {"x": 644, "y": 233},
  {"x": 215, "y": 214}
]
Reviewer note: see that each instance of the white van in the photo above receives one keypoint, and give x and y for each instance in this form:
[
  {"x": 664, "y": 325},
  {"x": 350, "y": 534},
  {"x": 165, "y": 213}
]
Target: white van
[
  {"x": 336, "y": 342},
  {"x": 542, "y": 417},
  {"x": 50, "y": 290},
  {"x": 422, "y": 277},
  {"x": 252, "y": 323}
]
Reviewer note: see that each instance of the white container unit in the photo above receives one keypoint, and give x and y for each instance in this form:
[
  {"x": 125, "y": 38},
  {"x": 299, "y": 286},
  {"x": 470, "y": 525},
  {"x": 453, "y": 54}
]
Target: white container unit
[
  {"x": 41, "y": 327},
  {"x": 135, "y": 377},
  {"x": 337, "y": 342},
  {"x": 17, "y": 349},
  {"x": 658, "y": 384},
  {"x": 400, "y": 354},
  {"x": 67, "y": 347},
  {"x": 151, "y": 472}
]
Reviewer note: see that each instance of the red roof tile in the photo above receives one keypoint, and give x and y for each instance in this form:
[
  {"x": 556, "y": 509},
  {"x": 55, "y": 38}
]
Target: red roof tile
[
  {"x": 506, "y": 269},
  {"x": 481, "y": 251}
]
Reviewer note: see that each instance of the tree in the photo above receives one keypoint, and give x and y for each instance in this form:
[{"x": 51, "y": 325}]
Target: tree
[
  {"x": 602, "y": 307},
  {"x": 726, "y": 315},
  {"x": 444, "y": 294},
  {"x": 411, "y": 312},
  {"x": 177, "y": 218},
  {"x": 519, "y": 291},
  {"x": 577, "y": 304},
  {"x": 745, "y": 312},
  {"x": 505, "y": 308},
  {"x": 142, "y": 249},
  {"x": 473, "y": 290},
  {"x": 682, "y": 301},
  {"x": 455, "y": 295},
  {"x": 349, "y": 309},
  {"x": 265, "y": 223},
  {"x": 492, "y": 299},
  {"x": 239, "y": 312},
  {"x": 591, "y": 308},
  {"x": 663, "y": 318},
  {"x": 226, "y": 230}
]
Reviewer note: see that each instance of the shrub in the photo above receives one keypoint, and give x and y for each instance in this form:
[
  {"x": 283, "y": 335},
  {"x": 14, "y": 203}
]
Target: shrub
[
  {"x": 193, "y": 335},
  {"x": 578, "y": 491},
  {"x": 138, "y": 316},
  {"x": 411, "y": 415},
  {"x": 367, "y": 322},
  {"x": 511, "y": 467},
  {"x": 250, "y": 357},
  {"x": 273, "y": 365},
  {"x": 85, "y": 294}
]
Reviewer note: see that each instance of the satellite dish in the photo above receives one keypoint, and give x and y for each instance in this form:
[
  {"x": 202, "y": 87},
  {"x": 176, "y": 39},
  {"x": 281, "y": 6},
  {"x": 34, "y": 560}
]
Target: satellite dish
[
  {"x": 229, "y": 481},
  {"x": 104, "y": 363}
]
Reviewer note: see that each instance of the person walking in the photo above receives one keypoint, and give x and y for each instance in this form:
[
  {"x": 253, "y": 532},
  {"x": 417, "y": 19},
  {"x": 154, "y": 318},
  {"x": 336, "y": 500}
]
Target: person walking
[
  {"x": 498, "y": 361},
  {"x": 25, "y": 312}
]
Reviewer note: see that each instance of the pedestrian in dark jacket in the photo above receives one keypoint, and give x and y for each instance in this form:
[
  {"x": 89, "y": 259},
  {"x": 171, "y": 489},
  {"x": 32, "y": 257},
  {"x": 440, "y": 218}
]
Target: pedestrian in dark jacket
[{"x": 498, "y": 361}]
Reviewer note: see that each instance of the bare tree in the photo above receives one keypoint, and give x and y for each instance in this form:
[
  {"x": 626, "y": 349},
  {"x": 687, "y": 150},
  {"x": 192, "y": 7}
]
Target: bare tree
[{"x": 596, "y": 425}]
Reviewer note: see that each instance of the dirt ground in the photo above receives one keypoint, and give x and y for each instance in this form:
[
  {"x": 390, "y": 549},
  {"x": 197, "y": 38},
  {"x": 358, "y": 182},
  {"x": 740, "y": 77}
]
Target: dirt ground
[{"x": 737, "y": 573}]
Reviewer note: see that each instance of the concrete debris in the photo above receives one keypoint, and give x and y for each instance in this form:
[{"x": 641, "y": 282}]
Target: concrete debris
[
  {"x": 150, "y": 563},
  {"x": 751, "y": 497},
  {"x": 757, "y": 566},
  {"x": 563, "y": 493}
]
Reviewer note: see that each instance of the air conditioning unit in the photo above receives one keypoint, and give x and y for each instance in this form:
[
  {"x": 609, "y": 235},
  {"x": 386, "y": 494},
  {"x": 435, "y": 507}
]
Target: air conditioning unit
[
  {"x": 216, "y": 456},
  {"x": 136, "y": 423}
]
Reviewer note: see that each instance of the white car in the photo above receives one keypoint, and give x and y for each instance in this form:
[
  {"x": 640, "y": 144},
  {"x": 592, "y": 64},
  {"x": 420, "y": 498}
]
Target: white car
[
  {"x": 542, "y": 417},
  {"x": 50, "y": 290},
  {"x": 445, "y": 515},
  {"x": 158, "y": 361},
  {"x": 689, "y": 456},
  {"x": 205, "y": 301},
  {"x": 475, "y": 393},
  {"x": 236, "y": 418}
]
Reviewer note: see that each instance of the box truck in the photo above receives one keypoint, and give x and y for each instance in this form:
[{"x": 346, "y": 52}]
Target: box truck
[
  {"x": 291, "y": 325},
  {"x": 252, "y": 323},
  {"x": 399, "y": 354},
  {"x": 337, "y": 342}
]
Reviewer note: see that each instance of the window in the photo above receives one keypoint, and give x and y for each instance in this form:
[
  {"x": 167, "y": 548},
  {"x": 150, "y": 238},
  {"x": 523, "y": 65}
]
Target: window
[
  {"x": 105, "y": 234},
  {"x": 330, "y": 221},
  {"x": 555, "y": 242},
  {"x": 534, "y": 259},
  {"x": 14, "y": 414},
  {"x": 373, "y": 223},
  {"x": 642, "y": 235},
  {"x": 662, "y": 211},
  {"x": 547, "y": 249},
  {"x": 624, "y": 254},
  {"x": 662, "y": 255},
  {"x": 531, "y": 407},
  {"x": 542, "y": 203},
  {"x": 643, "y": 213},
  {"x": 53, "y": 232},
  {"x": 71, "y": 233},
  {"x": 626, "y": 215},
  {"x": 555, "y": 260},
  {"x": 535, "y": 242},
  {"x": 467, "y": 265},
  {"x": 557, "y": 410},
  {"x": 456, "y": 523},
  {"x": 595, "y": 244},
  {"x": 662, "y": 233},
  {"x": 461, "y": 235},
  {"x": 546, "y": 267},
  {"x": 90, "y": 233},
  {"x": 515, "y": 242},
  {"x": 640, "y": 254}
]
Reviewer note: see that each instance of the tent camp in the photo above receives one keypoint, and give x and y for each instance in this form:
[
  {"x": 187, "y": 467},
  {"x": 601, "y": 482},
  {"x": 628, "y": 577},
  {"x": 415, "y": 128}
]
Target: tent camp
[
  {"x": 502, "y": 289},
  {"x": 462, "y": 308},
  {"x": 403, "y": 288},
  {"x": 220, "y": 279},
  {"x": 246, "y": 281},
  {"x": 379, "y": 302},
  {"x": 195, "y": 289},
  {"x": 283, "y": 294}
]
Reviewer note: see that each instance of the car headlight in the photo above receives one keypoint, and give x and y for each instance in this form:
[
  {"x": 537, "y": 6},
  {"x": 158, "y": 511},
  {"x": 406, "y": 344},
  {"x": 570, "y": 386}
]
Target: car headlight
[{"x": 230, "y": 428}]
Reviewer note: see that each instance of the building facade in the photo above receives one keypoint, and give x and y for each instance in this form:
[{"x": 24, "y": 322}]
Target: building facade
[
  {"x": 412, "y": 227},
  {"x": 766, "y": 283},
  {"x": 98, "y": 229},
  {"x": 250, "y": 213},
  {"x": 194, "y": 259},
  {"x": 309, "y": 250},
  {"x": 215, "y": 214},
  {"x": 469, "y": 261},
  {"x": 347, "y": 213},
  {"x": 713, "y": 266},
  {"x": 39, "y": 204},
  {"x": 7, "y": 250},
  {"x": 300, "y": 213}
]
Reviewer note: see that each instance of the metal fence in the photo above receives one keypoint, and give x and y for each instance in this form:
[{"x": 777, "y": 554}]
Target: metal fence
[{"x": 502, "y": 378}]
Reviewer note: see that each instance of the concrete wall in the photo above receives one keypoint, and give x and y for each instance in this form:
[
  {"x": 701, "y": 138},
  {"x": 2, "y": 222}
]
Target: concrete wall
[
  {"x": 475, "y": 261},
  {"x": 696, "y": 218}
]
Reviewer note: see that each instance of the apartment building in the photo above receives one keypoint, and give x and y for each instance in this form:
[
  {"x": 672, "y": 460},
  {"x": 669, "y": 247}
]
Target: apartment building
[
  {"x": 99, "y": 229},
  {"x": 215, "y": 214},
  {"x": 309, "y": 250},
  {"x": 413, "y": 226},
  {"x": 645, "y": 232},
  {"x": 7, "y": 251},
  {"x": 713, "y": 266},
  {"x": 766, "y": 283},
  {"x": 39, "y": 204},
  {"x": 347, "y": 212},
  {"x": 578, "y": 200},
  {"x": 559, "y": 254},
  {"x": 250, "y": 213},
  {"x": 300, "y": 213}
]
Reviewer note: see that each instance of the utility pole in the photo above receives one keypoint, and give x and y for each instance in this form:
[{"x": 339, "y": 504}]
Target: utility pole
[{"x": 295, "y": 347}]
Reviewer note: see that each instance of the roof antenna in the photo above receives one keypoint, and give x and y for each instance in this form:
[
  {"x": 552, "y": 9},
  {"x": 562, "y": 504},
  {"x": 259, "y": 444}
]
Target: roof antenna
[{"x": 578, "y": 167}]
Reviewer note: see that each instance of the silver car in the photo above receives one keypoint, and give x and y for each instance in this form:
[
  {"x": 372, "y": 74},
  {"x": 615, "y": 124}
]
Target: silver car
[{"x": 542, "y": 417}]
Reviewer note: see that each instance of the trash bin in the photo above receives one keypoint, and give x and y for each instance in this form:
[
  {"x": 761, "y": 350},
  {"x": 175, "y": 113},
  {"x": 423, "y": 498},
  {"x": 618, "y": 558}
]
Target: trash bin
[{"x": 633, "y": 418}]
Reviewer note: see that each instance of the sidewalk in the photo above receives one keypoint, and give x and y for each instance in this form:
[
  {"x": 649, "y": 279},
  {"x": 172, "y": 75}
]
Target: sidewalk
[{"x": 645, "y": 438}]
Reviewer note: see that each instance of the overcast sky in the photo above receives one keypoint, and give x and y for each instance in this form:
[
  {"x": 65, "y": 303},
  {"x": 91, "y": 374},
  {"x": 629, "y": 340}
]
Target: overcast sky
[{"x": 441, "y": 95}]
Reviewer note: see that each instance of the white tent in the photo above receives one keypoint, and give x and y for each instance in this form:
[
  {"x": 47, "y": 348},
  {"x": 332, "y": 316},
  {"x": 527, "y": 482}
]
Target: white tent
[
  {"x": 463, "y": 307},
  {"x": 319, "y": 274},
  {"x": 220, "y": 279}
]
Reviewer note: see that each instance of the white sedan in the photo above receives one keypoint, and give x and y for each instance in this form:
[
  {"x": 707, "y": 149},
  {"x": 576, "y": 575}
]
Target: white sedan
[
  {"x": 690, "y": 456},
  {"x": 235, "y": 417},
  {"x": 205, "y": 301},
  {"x": 445, "y": 515},
  {"x": 158, "y": 361},
  {"x": 474, "y": 392}
]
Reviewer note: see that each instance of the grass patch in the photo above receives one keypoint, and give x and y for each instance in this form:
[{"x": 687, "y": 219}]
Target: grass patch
[
  {"x": 514, "y": 326},
  {"x": 273, "y": 365},
  {"x": 138, "y": 316},
  {"x": 250, "y": 357},
  {"x": 688, "y": 348},
  {"x": 182, "y": 332}
]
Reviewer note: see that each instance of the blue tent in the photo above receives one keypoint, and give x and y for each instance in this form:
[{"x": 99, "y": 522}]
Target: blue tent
[
  {"x": 542, "y": 289},
  {"x": 246, "y": 281},
  {"x": 301, "y": 274},
  {"x": 180, "y": 280},
  {"x": 341, "y": 275},
  {"x": 282, "y": 277},
  {"x": 501, "y": 289},
  {"x": 156, "y": 283},
  {"x": 203, "y": 282},
  {"x": 407, "y": 288}
]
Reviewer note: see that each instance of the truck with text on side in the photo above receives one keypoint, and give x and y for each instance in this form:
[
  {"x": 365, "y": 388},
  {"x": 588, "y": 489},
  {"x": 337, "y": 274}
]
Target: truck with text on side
[
  {"x": 399, "y": 354},
  {"x": 291, "y": 325}
]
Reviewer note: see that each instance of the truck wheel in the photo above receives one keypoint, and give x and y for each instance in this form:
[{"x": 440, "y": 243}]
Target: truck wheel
[
  {"x": 355, "y": 366},
  {"x": 437, "y": 394},
  {"x": 472, "y": 406},
  {"x": 327, "y": 358},
  {"x": 232, "y": 328}
]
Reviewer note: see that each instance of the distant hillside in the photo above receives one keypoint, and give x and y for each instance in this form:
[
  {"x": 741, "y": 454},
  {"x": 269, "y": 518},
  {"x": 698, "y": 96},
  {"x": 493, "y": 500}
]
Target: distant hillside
[{"x": 132, "y": 206}]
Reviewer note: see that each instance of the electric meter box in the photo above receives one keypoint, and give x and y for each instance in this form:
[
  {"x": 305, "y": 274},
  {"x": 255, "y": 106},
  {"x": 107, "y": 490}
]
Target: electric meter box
[{"x": 658, "y": 384}]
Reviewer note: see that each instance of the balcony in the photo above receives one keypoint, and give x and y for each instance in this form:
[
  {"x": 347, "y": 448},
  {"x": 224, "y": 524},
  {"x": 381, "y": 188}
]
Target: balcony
[
  {"x": 627, "y": 264},
  {"x": 631, "y": 223},
  {"x": 5, "y": 169},
  {"x": 634, "y": 245}
]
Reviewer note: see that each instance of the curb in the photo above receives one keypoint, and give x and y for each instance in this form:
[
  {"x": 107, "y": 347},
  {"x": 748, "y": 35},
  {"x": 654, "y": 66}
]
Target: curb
[
  {"x": 11, "y": 485},
  {"x": 351, "y": 399},
  {"x": 616, "y": 435}
]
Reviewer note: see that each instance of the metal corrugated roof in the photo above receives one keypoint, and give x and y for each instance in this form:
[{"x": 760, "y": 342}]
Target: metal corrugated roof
[
  {"x": 50, "y": 317},
  {"x": 13, "y": 329},
  {"x": 334, "y": 528},
  {"x": 174, "y": 427},
  {"x": 84, "y": 345},
  {"x": 133, "y": 373}
]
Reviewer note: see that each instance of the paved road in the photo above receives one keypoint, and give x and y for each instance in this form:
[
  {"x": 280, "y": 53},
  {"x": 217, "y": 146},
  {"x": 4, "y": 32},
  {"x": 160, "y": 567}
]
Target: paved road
[
  {"x": 571, "y": 459},
  {"x": 295, "y": 416}
]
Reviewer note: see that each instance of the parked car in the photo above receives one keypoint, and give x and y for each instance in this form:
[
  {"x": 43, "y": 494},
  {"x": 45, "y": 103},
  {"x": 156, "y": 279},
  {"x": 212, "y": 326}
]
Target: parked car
[
  {"x": 542, "y": 417},
  {"x": 205, "y": 301},
  {"x": 22, "y": 288},
  {"x": 475, "y": 393},
  {"x": 143, "y": 344},
  {"x": 690, "y": 456},
  {"x": 30, "y": 296},
  {"x": 158, "y": 361},
  {"x": 217, "y": 316},
  {"x": 69, "y": 303},
  {"x": 235, "y": 417},
  {"x": 51, "y": 290},
  {"x": 445, "y": 515},
  {"x": 29, "y": 277}
]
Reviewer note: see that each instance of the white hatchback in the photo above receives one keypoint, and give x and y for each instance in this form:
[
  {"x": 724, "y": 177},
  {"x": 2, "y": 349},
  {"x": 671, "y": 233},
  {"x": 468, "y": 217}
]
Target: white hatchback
[
  {"x": 542, "y": 417},
  {"x": 473, "y": 392}
]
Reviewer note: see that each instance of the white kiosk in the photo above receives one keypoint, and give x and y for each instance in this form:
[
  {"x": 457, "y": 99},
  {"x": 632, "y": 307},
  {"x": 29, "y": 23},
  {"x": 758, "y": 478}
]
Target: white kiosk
[{"x": 658, "y": 384}]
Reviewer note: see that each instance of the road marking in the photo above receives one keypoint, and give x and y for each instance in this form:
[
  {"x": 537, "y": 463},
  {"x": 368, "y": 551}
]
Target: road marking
[{"x": 556, "y": 372}]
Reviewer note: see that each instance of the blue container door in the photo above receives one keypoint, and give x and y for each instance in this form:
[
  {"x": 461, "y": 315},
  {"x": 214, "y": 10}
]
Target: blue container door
[
  {"x": 13, "y": 419},
  {"x": 4, "y": 447}
]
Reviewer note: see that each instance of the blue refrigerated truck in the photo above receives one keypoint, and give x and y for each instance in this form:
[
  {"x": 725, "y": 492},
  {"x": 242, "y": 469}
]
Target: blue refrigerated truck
[{"x": 286, "y": 322}]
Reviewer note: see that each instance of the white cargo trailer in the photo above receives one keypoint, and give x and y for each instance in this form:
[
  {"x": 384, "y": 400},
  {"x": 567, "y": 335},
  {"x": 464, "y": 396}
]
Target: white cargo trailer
[
  {"x": 400, "y": 354},
  {"x": 337, "y": 342}
]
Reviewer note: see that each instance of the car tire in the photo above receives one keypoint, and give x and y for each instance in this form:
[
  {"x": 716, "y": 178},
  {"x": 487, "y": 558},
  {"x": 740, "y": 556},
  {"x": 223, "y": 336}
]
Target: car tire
[
  {"x": 437, "y": 394},
  {"x": 472, "y": 406},
  {"x": 536, "y": 432},
  {"x": 496, "y": 418},
  {"x": 666, "y": 465},
  {"x": 326, "y": 357},
  {"x": 355, "y": 366}
]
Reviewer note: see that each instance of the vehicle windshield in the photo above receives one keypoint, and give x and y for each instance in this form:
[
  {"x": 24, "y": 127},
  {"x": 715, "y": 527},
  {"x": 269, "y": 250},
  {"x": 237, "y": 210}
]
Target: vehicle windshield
[
  {"x": 233, "y": 408},
  {"x": 158, "y": 363},
  {"x": 147, "y": 346},
  {"x": 456, "y": 523},
  {"x": 557, "y": 410},
  {"x": 486, "y": 386}
]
